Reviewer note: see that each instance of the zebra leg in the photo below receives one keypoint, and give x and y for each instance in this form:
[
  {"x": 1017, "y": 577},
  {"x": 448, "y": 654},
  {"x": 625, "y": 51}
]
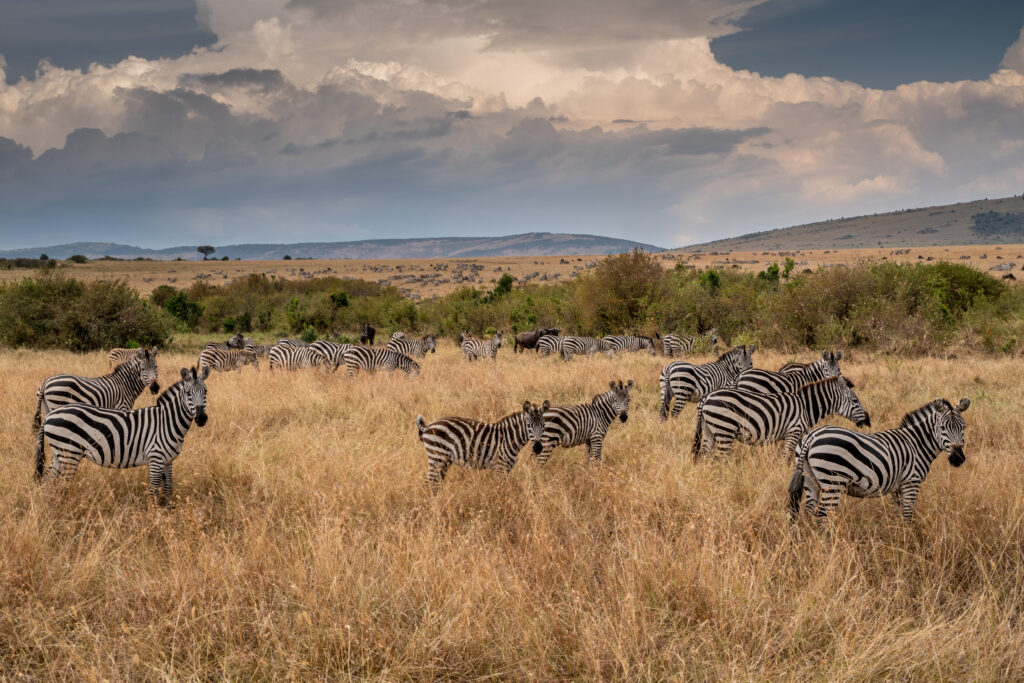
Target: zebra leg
[
  {"x": 792, "y": 441},
  {"x": 436, "y": 471},
  {"x": 545, "y": 452},
  {"x": 828, "y": 500},
  {"x": 908, "y": 499},
  {"x": 679, "y": 404},
  {"x": 594, "y": 447},
  {"x": 156, "y": 475},
  {"x": 723, "y": 444},
  {"x": 168, "y": 483}
]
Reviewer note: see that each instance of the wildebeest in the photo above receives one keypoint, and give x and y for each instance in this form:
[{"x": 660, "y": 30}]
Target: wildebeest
[
  {"x": 369, "y": 332},
  {"x": 528, "y": 340}
]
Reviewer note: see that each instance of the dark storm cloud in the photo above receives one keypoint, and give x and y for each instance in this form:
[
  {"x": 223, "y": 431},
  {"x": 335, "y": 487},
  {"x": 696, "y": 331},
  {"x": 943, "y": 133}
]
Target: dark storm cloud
[{"x": 241, "y": 78}]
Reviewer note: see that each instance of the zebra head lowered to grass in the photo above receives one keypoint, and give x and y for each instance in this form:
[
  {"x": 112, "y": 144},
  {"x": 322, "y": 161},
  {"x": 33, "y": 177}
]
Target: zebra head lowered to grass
[
  {"x": 152, "y": 436},
  {"x": 632, "y": 344},
  {"x": 681, "y": 381},
  {"x": 585, "y": 423},
  {"x": 769, "y": 382},
  {"x": 480, "y": 445},
  {"x": 412, "y": 347},
  {"x": 831, "y": 461},
  {"x": 225, "y": 360}
]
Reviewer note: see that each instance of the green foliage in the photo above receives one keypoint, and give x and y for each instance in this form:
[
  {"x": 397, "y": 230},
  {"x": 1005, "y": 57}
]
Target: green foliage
[
  {"x": 77, "y": 258},
  {"x": 340, "y": 299},
  {"x": 624, "y": 292},
  {"x": 185, "y": 311},
  {"x": 501, "y": 288},
  {"x": 769, "y": 277},
  {"x": 995, "y": 223}
]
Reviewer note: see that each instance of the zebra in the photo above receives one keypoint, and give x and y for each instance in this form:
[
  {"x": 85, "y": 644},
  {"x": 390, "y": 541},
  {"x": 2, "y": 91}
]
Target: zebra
[
  {"x": 227, "y": 360},
  {"x": 792, "y": 367},
  {"x": 621, "y": 343},
  {"x": 261, "y": 350},
  {"x": 118, "y": 356},
  {"x": 109, "y": 437},
  {"x": 584, "y": 345},
  {"x": 549, "y": 343},
  {"x": 296, "y": 357},
  {"x": 118, "y": 390},
  {"x": 333, "y": 351},
  {"x": 832, "y": 461},
  {"x": 413, "y": 347},
  {"x": 768, "y": 382},
  {"x": 235, "y": 342},
  {"x": 371, "y": 359},
  {"x": 684, "y": 381},
  {"x": 674, "y": 344},
  {"x": 291, "y": 343},
  {"x": 478, "y": 348},
  {"x": 584, "y": 423},
  {"x": 480, "y": 445},
  {"x": 728, "y": 415}
]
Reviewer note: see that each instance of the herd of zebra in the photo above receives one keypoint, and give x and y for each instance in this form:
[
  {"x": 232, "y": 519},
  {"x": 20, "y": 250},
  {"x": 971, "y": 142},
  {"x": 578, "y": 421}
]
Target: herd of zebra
[{"x": 84, "y": 417}]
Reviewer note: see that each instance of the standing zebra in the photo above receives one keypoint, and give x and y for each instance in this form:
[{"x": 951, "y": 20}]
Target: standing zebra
[
  {"x": 549, "y": 343},
  {"x": 125, "y": 438},
  {"x": 291, "y": 343},
  {"x": 832, "y": 461},
  {"x": 792, "y": 367},
  {"x": 768, "y": 382},
  {"x": 684, "y": 381},
  {"x": 296, "y": 357},
  {"x": 223, "y": 361},
  {"x": 333, "y": 352},
  {"x": 413, "y": 347},
  {"x": 674, "y": 344},
  {"x": 728, "y": 415},
  {"x": 235, "y": 342},
  {"x": 119, "y": 389},
  {"x": 584, "y": 423},
  {"x": 119, "y": 356},
  {"x": 477, "y": 348},
  {"x": 621, "y": 343},
  {"x": 371, "y": 359},
  {"x": 584, "y": 345},
  {"x": 480, "y": 445},
  {"x": 261, "y": 350}
]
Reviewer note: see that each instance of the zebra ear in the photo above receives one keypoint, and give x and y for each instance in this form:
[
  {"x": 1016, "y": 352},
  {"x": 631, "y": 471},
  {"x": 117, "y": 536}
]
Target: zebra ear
[
  {"x": 184, "y": 373},
  {"x": 526, "y": 406},
  {"x": 547, "y": 404},
  {"x": 839, "y": 355},
  {"x": 612, "y": 384},
  {"x": 964, "y": 404},
  {"x": 629, "y": 385},
  {"x": 827, "y": 355},
  {"x": 205, "y": 373},
  {"x": 750, "y": 350},
  {"x": 152, "y": 351}
]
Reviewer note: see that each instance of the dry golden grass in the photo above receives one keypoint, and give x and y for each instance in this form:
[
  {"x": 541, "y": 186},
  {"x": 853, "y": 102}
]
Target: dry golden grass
[{"x": 304, "y": 544}]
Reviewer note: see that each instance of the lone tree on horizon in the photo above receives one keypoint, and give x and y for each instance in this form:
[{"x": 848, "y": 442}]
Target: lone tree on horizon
[{"x": 205, "y": 250}]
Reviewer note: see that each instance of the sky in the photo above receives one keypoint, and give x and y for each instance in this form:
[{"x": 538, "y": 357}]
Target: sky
[{"x": 670, "y": 122}]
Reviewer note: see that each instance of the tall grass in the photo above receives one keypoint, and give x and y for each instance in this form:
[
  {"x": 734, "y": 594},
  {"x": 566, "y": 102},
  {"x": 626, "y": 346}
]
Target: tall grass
[{"x": 304, "y": 544}]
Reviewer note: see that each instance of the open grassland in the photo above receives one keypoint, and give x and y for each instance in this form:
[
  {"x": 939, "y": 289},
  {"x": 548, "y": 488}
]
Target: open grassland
[{"x": 304, "y": 544}]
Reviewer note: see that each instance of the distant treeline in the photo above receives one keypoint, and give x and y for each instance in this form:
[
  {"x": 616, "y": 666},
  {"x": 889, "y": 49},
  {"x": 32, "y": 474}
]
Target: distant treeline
[
  {"x": 898, "y": 308},
  {"x": 998, "y": 224}
]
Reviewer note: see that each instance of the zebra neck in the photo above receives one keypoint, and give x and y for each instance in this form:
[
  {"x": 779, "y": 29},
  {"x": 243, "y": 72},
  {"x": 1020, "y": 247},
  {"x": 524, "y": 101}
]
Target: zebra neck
[
  {"x": 515, "y": 428},
  {"x": 922, "y": 434},
  {"x": 130, "y": 380},
  {"x": 605, "y": 408},
  {"x": 178, "y": 418},
  {"x": 817, "y": 401}
]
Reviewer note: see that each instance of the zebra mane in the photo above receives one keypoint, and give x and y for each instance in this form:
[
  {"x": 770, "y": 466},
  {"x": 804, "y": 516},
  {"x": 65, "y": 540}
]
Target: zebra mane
[
  {"x": 924, "y": 411},
  {"x": 821, "y": 381},
  {"x": 735, "y": 351},
  {"x": 168, "y": 392}
]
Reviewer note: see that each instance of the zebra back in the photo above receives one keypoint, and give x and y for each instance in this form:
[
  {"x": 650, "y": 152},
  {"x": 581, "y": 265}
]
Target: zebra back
[
  {"x": 549, "y": 343},
  {"x": 768, "y": 382},
  {"x": 413, "y": 347},
  {"x": 371, "y": 359},
  {"x": 681, "y": 381},
  {"x": 118, "y": 356},
  {"x": 332, "y": 351},
  {"x": 296, "y": 357},
  {"x": 574, "y": 345},
  {"x": 291, "y": 343},
  {"x": 261, "y": 350},
  {"x": 224, "y": 360},
  {"x": 632, "y": 344}
]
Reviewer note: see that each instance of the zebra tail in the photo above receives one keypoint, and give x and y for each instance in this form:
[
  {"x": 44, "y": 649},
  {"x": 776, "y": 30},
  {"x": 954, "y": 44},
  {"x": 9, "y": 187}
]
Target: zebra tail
[
  {"x": 698, "y": 434},
  {"x": 37, "y": 419},
  {"x": 666, "y": 399},
  {"x": 421, "y": 424},
  {"x": 40, "y": 455},
  {"x": 796, "y": 491}
]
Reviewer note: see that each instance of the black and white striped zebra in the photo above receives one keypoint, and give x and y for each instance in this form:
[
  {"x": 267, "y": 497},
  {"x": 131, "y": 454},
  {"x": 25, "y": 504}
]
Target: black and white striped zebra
[
  {"x": 296, "y": 357},
  {"x": 480, "y": 445},
  {"x": 730, "y": 415},
  {"x": 681, "y": 381},
  {"x": 261, "y": 350},
  {"x": 118, "y": 356},
  {"x": 373, "y": 358},
  {"x": 225, "y": 360},
  {"x": 413, "y": 347},
  {"x": 585, "y": 423},
  {"x": 291, "y": 343},
  {"x": 676, "y": 344},
  {"x": 125, "y": 438},
  {"x": 478, "y": 348},
  {"x": 119, "y": 389},
  {"x": 832, "y": 461},
  {"x": 573, "y": 346},
  {"x": 768, "y": 382},
  {"x": 549, "y": 343},
  {"x": 792, "y": 367},
  {"x": 235, "y": 342},
  {"x": 632, "y": 344},
  {"x": 333, "y": 352}
]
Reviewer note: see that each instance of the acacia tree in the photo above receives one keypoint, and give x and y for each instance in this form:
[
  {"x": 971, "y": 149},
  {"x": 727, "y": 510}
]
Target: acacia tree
[{"x": 205, "y": 250}]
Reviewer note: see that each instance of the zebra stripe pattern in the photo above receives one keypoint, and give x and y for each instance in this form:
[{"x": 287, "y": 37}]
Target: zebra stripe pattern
[
  {"x": 291, "y": 343},
  {"x": 125, "y": 438},
  {"x": 768, "y": 382},
  {"x": 224, "y": 361},
  {"x": 413, "y": 347},
  {"x": 261, "y": 350},
  {"x": 728, "y": 415},
  {"x": 119, "y": 356},
  {"x": 296, "y": 357},
  {"x": 117, "y": 390},
  {"x": 549, "y": 343},
  {"x": 631, "y": 344},
  {"x": 585, "y": 423},
  {"x": 792, "y": 367},
  {"x": 674, "y": 344},
  {"x": 572, "y": 346},
  {"x": 372, "y": 359},
  {"x": 236, "y": 342},
  {"x": 832, "y": 461},
  {"x": 477, "y": 348},
  {"x": 682, "y": 381},
  {"x": 333, "y": 352},
  {"x": 480, "y": 445}
]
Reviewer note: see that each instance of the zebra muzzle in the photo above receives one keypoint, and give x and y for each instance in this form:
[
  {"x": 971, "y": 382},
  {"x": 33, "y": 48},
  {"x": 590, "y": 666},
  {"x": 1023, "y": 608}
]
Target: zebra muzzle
[
  {"x": 537, "y": 447},
  {"x": 866, "y": 422},
  {"x": 956, "y": 456},
  {"x": 154, "y": 387},
  {"x": 623, "y": 417},
  {"x": 201, "y": 418}
]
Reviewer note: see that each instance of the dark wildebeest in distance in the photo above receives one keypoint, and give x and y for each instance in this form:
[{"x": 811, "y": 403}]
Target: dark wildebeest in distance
[
  {"x": 369, "y": 332},
  {"x": 528, "y": 340}
]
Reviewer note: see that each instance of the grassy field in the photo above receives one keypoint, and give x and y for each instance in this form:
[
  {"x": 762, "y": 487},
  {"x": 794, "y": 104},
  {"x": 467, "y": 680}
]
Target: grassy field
[{"x": 304, "y": 544}]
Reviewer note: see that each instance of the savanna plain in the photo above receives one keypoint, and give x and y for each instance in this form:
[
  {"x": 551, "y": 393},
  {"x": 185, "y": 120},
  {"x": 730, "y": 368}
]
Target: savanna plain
[{"x": 302, "y": 542}]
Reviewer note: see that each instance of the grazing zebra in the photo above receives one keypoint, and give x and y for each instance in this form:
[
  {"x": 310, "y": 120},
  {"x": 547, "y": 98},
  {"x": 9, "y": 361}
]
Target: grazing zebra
[
  {"x": 119, "y": 356},
  {"x": 832, "y": 461},
  {"x": 621, "y": 343},
  {"x": 119, "y": 389},
  {"x": 768, "y": 382},
  {"x": 369, "y": 332},
  {"x": 584, "y": 345},
  {"x": 478, "y": 348},
  {"x": 261, "y": 350},
  {"x": 728, "y": 415},
  {"x": 333, "y": 351},
  {"x": 371, "y": 359},
  {"x": 296, "y": 357},
  {"x": 584, "y": 423},
  {"x": 221, "y": 360},
  {"x": 684, "y": 381},
  {"x": 236, "y": 342},
  {"x": 481, "y": 445},
  {"x": 549, "y": 343},
  {"x": 125, "y": 438},
  {"x": 674, "y": 344},
  {"x": 413, "y": 347},
  {"x": 291, "y": 343}
]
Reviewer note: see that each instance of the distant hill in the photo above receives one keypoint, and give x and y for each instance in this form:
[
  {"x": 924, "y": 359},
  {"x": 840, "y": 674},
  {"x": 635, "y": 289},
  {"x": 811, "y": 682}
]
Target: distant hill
[
  {"x": 985, "y": 221},
  {"x": 528, "y": 244}
]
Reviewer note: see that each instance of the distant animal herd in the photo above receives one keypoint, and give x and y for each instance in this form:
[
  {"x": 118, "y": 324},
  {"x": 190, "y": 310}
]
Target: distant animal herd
[{"x": 92, "y": 417}]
